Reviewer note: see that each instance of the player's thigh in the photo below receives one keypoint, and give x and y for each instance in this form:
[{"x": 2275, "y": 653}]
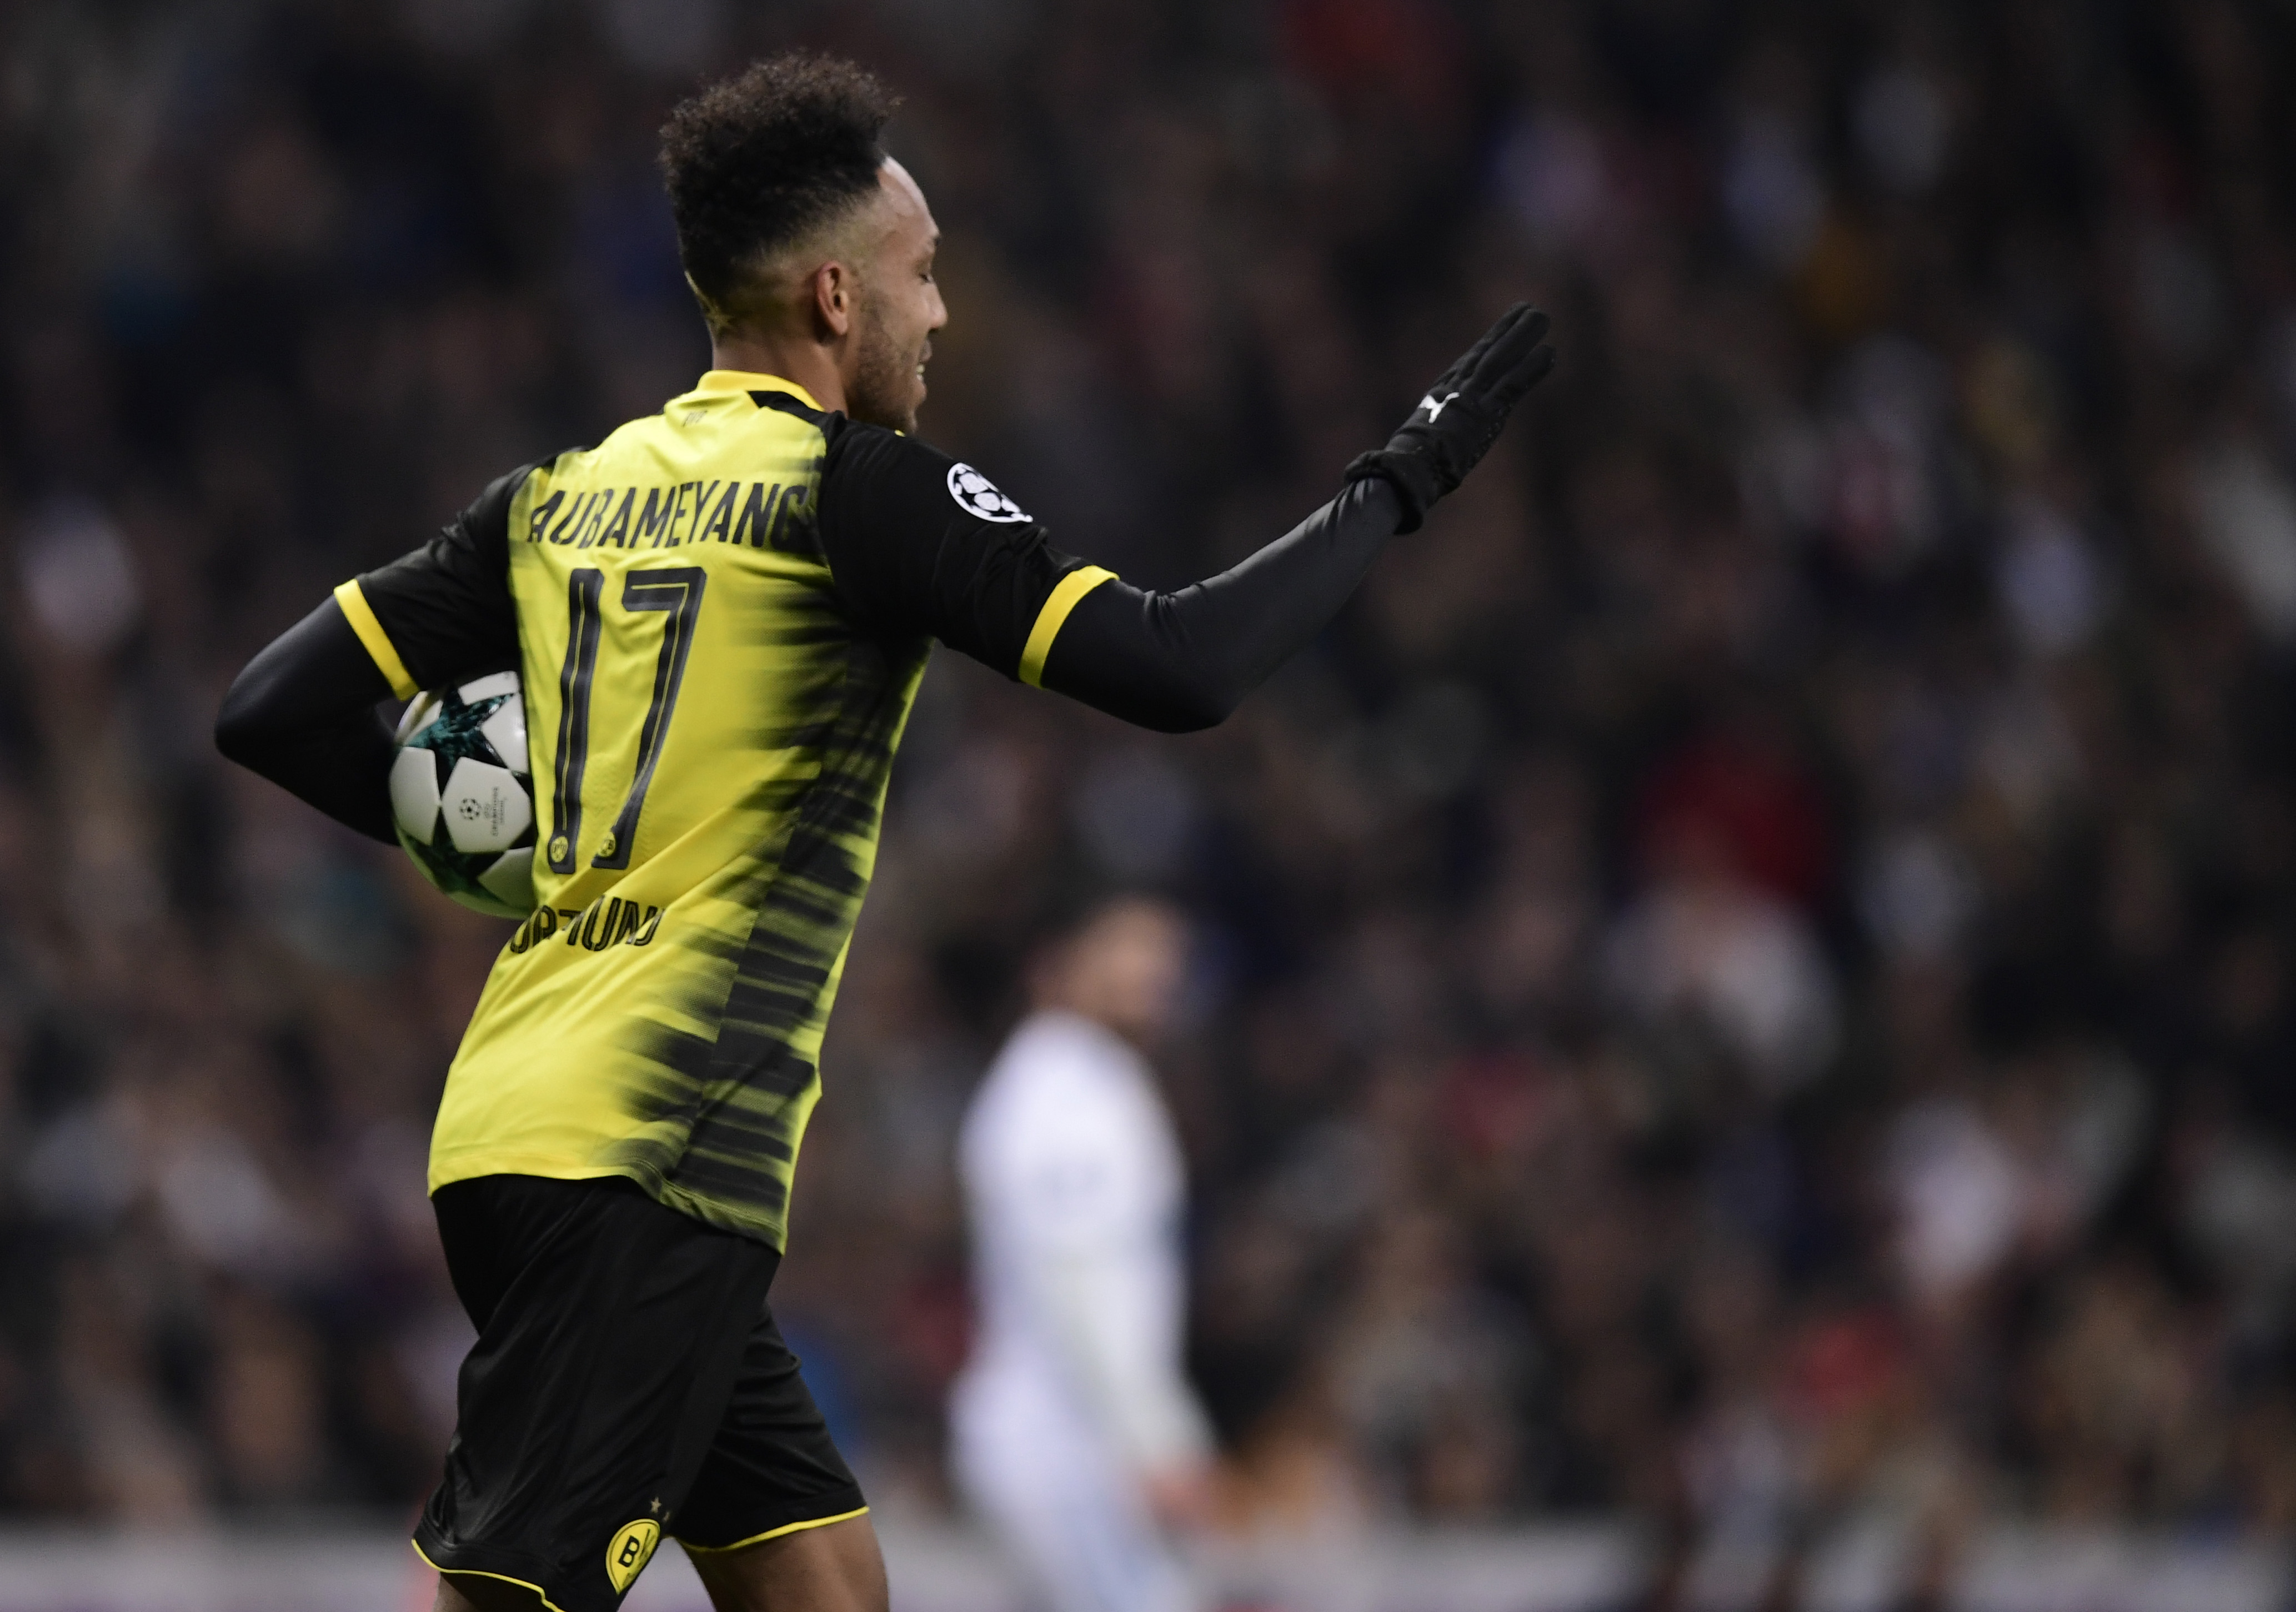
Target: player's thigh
[
  {"x": 837, "y": 1567},
  {"x": 772, "y": 1471},
  {"x": 584, "y": 1411}
]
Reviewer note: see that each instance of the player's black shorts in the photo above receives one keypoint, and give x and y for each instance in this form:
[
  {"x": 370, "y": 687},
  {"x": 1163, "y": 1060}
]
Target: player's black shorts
[{"x": 629, "y": 1382}]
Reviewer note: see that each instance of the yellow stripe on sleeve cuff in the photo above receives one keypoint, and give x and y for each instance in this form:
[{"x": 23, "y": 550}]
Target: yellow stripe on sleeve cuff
[
  {"x": 360, "y": 614},
  {"x": 1072, "y": 589}
]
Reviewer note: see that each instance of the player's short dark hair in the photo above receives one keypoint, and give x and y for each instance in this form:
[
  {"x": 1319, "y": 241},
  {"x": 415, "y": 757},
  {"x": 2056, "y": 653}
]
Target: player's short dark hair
[{"x": 758, "y": 161}]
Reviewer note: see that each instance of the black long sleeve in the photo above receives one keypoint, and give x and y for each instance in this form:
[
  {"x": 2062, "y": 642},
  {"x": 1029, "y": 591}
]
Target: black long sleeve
[
  {"x": 920, "y": 543},
  {"x": 303, "y": 715},
  {"x": 1177, "y": 662}
]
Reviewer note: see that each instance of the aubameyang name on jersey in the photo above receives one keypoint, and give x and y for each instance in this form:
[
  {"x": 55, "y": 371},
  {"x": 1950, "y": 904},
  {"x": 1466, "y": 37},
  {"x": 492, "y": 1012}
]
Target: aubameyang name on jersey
[
  {"x": 754, "y": 514},
  {"x": 609, "y": 920}
]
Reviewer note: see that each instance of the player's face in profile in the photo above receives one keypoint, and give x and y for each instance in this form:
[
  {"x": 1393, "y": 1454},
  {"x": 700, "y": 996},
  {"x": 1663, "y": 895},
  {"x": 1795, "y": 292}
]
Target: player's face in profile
[{"x": 900, "y": 310}]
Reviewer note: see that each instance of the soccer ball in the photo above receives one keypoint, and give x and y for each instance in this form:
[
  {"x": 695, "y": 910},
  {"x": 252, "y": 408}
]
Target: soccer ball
[{"x": 461, "y": 797}]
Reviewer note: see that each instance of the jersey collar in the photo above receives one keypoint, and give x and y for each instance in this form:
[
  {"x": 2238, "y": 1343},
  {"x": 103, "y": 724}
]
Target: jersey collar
[{"x": 720, "y": 382}]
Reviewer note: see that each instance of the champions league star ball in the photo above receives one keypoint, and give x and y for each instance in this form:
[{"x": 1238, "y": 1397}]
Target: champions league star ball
[{"x": 461, "y": 796}]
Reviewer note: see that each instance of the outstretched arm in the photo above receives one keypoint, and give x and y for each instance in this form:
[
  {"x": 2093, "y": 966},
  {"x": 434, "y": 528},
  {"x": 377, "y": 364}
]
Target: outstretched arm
[
  {"x": 1181, "y": 661},
  {"x": 919, "y": 544}
]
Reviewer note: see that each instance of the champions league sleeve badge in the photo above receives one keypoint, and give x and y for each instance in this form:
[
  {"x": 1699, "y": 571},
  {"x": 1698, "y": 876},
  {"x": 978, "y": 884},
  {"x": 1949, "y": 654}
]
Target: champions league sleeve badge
[{"x": 977, "y": 495}]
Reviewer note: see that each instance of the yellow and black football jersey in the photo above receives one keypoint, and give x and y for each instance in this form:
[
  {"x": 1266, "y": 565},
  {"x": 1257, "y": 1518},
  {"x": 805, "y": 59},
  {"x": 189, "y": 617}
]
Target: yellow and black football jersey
[{"x": 719, "y": 616}]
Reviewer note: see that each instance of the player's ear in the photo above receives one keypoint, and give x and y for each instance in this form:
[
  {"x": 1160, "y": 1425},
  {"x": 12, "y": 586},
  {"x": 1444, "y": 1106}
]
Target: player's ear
[{"x": 833, "y": 297}]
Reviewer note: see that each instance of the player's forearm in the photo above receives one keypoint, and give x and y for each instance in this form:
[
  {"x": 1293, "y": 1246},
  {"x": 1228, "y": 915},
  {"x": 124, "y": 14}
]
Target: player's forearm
[
  {"x": 1177, "y": 662},
  {"x": 302, "y": 713}
]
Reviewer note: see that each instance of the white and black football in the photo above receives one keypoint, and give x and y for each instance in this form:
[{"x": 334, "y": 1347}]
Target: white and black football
[{"x": 461, "y": 795}]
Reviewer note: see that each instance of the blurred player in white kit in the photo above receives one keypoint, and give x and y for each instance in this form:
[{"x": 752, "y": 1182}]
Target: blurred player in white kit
[{"x": 1075, "y": 1433}]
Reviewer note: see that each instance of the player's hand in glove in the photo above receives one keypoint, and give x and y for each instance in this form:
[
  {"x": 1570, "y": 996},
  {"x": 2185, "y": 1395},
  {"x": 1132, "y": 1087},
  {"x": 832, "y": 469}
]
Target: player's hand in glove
[{"x": 1461, "y": 414}]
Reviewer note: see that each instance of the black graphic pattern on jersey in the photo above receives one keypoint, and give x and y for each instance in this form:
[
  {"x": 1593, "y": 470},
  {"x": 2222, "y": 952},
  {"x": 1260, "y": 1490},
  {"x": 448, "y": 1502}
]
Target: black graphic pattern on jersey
[{"x": 734, "y": 1102}]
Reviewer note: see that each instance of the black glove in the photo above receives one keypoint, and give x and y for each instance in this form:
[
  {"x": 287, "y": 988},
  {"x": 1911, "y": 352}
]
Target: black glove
[{"x": 1461, "y": 414}]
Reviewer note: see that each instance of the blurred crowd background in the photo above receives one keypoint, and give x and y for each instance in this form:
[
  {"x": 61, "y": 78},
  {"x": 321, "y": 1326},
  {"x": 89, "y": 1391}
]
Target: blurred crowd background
[{"x": 1749, "y": 979}]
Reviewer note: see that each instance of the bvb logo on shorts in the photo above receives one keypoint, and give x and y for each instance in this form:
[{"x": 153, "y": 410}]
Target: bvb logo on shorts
[{"x": 632, "y": 1549}]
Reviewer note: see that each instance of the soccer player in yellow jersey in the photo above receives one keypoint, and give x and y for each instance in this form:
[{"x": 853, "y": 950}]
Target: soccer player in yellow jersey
[{"x": 719, "y": 616}]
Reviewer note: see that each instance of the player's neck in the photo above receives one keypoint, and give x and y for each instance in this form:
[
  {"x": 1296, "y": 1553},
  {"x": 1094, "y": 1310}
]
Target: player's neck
[{"x": 808, "y": 364}]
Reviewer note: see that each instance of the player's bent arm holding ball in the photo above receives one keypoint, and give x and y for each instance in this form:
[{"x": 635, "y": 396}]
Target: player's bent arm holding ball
[
  {"x": 719, "y": 616},
  {"x": 302, "y": 713}
]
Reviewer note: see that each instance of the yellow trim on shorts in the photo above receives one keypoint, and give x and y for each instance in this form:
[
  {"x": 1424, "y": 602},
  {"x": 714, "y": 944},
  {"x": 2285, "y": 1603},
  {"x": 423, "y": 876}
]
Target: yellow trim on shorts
[
  {"x": 540, "y": 1593},
  {"x": 1065, "y": 598},
  {"x": 361, "y": 614},
  {"x": 760, "y": 1539}
]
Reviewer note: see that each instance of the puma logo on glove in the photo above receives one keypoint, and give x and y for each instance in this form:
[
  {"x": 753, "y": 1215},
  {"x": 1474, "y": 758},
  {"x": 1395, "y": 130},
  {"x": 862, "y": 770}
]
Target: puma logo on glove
[{"x": 1466, "y": 409}]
